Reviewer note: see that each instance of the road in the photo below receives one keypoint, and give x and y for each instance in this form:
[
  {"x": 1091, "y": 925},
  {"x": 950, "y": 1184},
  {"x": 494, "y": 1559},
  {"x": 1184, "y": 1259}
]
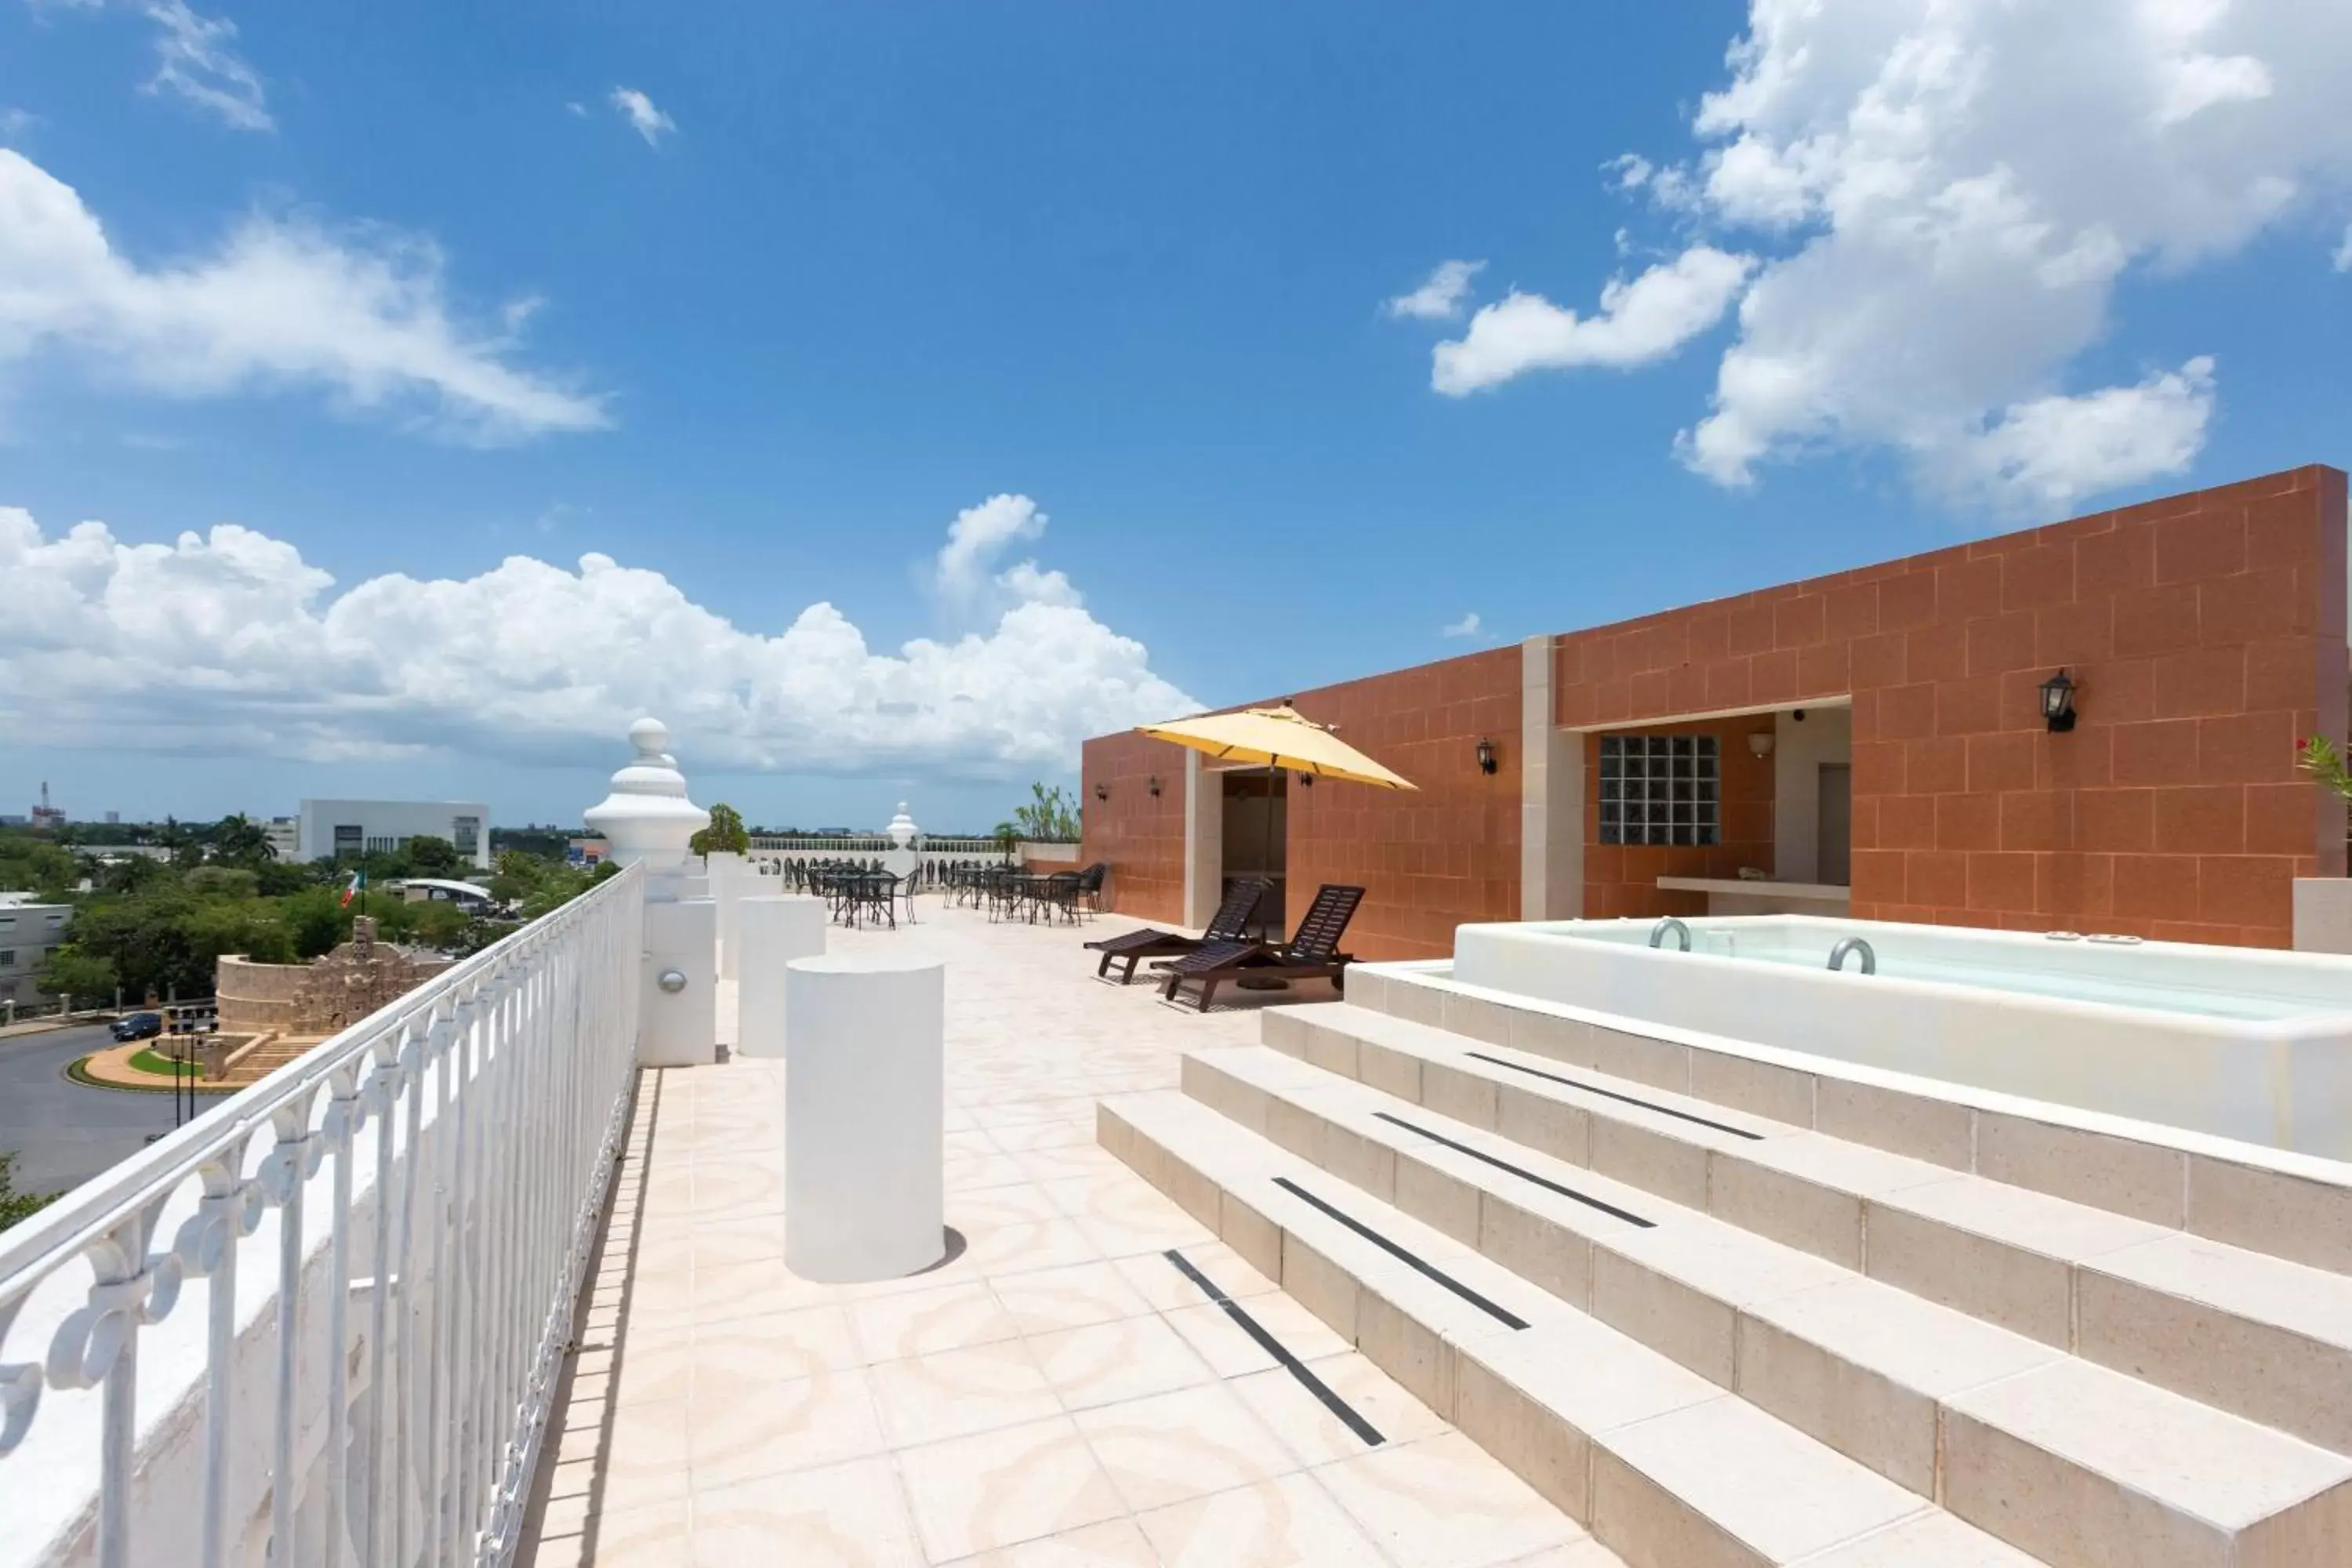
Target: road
[{"x": 64, "y": 1133}]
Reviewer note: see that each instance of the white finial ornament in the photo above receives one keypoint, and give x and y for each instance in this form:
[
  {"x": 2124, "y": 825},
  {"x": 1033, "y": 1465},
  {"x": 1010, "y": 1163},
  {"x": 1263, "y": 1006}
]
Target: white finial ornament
[
  {"x": 902, "y": 829},
  {"x": 648, "y": 817}
]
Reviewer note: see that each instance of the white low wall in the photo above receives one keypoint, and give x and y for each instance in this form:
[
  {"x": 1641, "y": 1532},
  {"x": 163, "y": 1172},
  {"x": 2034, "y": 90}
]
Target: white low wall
[
  {"x": 2323, "y": 914},
  {"x": 2284, "y": 1083}
]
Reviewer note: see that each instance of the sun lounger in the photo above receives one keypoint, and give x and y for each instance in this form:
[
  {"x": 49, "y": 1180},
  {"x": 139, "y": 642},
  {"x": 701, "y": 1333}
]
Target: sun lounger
[
  {"x": 1228, "y": 925},
  {"x": 1311, "y": 953}
]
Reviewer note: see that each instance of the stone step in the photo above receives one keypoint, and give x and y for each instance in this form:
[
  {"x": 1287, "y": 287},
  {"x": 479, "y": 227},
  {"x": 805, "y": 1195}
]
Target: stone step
[
  {"x": 2285, "y": 1204},
  {"x": 1952, "y": 1408},
  {"x": 1666, "y": 1469},
  {"x": 2251, "y": 1335}
]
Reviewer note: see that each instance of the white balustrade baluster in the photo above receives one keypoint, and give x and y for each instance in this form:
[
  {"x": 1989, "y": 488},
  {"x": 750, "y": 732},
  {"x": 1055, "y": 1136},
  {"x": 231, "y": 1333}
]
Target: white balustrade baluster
[
  {"x": 382, "y": 1099},
  {"x": 414, "y": 1365},
  {"x": 229, "y": 1211},
  {"x": 467, "y": 1060},
  {"x": 345, "y": 1115},
  {"x": 291, "y": 1163},
  {"x": 97, "y": 1346},
  {"x": 500, "y": 1149}
]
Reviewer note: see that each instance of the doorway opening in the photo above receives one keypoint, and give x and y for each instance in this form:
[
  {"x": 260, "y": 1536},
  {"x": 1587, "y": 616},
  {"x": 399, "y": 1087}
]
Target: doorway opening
[
  {"x": 1258, "y": 839},
  {"x": 1834, "y": 836}
]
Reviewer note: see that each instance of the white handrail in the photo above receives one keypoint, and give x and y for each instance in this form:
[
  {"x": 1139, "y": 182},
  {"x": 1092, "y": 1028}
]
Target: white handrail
[{"x": 460, "y": 1140}]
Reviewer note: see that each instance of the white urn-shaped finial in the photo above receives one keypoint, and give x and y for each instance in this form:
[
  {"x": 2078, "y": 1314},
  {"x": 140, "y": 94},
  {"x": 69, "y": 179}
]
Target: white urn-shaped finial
[
  {"x": 647, "y": 816},
  {"x": 902, "y": 829}
]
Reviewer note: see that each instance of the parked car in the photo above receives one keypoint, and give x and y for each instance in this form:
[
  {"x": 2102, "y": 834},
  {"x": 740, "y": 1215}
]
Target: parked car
[{"x": 137, "y": 1027}]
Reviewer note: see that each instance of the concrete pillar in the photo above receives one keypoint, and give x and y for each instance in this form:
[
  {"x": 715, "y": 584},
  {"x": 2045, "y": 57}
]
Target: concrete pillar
[
  {"x": 865, "y": 1112},
  {"x": 728, "y": 873},
  {"x": 1205, "y": 840},
  {"x": 1551, "y": 794},
  {"x": 648, "y": 819},
  {"x": 679, "y": 1027},
  {"x": 774, "y": 929},
  {"x": 2323, "y": 914}
]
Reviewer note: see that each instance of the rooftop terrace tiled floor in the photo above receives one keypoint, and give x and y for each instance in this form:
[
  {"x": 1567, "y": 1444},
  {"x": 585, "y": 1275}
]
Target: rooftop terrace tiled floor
[{"x": 1057, "y": 1393}]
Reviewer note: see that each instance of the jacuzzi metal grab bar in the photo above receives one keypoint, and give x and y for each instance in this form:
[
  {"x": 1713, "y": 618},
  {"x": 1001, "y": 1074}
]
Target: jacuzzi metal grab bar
[
  {"x": 1854, "y": 945},
  {"x": 1658, "y": 932}
]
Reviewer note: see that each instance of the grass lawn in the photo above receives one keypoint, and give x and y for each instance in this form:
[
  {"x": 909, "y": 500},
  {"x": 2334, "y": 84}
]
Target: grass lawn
[{"x": 152, "y": 1061}]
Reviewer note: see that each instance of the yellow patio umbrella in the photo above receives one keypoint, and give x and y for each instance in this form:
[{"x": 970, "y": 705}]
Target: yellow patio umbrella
[{"x": 1277, "y": 738}]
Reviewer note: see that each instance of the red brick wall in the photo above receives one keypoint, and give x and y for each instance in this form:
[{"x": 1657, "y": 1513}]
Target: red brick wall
[
  {"x": 1622, "y": 879},
  {"x": 1140, "y": 839},
  {"x": 1427, "y": 859},
  {"x": 2206, "y": 633}
]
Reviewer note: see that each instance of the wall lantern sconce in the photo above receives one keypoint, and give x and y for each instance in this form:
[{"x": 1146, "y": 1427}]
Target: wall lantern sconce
[
  {"x": 1485, "y": 755},
  {"x": 1759, "y": 742},
  {"x": 1152, "y": 784},
  {"x": 1307, "y": 781},
  {"x": 2058, "y": 703},
  {"x": 1102, "y": 792}
]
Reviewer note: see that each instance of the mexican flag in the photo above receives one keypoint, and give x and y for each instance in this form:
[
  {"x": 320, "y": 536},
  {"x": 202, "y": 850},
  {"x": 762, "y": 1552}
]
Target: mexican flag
[{"x": 354, "y": 889}]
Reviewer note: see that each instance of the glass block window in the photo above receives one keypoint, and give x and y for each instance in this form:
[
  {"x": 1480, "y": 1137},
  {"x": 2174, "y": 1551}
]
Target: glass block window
[{"x": 1660, "y": 789}]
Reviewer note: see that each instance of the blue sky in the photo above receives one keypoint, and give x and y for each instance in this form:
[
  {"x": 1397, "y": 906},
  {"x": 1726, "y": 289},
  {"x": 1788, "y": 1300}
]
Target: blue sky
[{"x": 408, "y": 291}]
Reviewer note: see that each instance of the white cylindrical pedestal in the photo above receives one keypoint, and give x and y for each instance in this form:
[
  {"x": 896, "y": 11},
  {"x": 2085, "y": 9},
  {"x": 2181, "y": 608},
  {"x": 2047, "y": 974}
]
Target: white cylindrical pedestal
[
  {"x": 773, "y": 928},
  {"x": 865, "y": 1100}
]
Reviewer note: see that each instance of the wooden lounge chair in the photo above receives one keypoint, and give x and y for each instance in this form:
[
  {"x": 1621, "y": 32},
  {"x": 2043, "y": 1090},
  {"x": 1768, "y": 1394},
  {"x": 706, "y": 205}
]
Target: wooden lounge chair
[
  {"x": 1228, "y": 925},
  {"x": 1311, "y": 953}
]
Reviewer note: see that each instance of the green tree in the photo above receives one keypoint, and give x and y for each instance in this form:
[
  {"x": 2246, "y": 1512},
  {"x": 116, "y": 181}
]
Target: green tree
[
  {"x": 279, "y": 878},
  {"x": 1049, "y": 817},
  {"x": 45, "y": 869},
  {"x": 440, "y": 925},
  {"x": 431, "y": 856},
  {"x": 14, "y": 1204},
  {"x": 132, "y": 875},
  {"x": 241, "y": 841},
  {"x": 535, "y": 884},
  {"x": 150, "y": 941},
  {"x": 70, "y": 971},
  {"x": 315, "y": 921},
  {"x": 222, "y": 882},
  {"x": 724, "y": 833}
]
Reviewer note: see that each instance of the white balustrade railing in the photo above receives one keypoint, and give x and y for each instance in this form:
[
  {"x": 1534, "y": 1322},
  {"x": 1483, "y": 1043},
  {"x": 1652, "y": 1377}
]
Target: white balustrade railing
[{"x": 387, "y": 1236}]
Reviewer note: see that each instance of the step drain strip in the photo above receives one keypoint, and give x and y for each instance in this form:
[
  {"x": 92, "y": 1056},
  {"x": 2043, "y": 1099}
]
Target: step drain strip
[
  {"x": 1545, "y": 1182},
  {"x": 1503, "y": 1315},
  {"x": 1290, "y": 1363},
  {"x": 1613, "y": 1094}
]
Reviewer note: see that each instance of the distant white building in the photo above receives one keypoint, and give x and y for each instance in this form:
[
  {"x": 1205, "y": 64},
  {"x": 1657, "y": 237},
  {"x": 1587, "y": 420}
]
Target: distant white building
[
  {"x": 28, "y": 930},
  {"x": 341, "y": 829},
  {"x": 285, "y": 836}
]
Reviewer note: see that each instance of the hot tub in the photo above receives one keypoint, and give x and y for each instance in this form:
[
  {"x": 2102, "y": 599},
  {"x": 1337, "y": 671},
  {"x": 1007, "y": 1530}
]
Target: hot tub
[{"x": 2240, "y": 1042}]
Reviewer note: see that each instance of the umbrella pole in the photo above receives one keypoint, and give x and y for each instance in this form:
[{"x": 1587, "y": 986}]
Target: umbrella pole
[
  {"x": 1246, "y": 982},
  {"x": 1273, "y": 770}
]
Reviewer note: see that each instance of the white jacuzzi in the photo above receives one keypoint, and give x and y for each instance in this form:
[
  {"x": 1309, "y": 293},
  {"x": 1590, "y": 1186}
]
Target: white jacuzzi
[{"x": 2241, "y": 1042}]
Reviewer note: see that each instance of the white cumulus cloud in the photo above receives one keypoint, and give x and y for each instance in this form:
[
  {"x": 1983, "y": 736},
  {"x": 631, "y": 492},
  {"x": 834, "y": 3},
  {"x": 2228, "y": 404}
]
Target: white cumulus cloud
[
  {"x": 228, "y": 641},
  {"x": 645, "y": 119},
  {"x": 1943, "y": 197},
  {"x": 2056, "y": 449},
  {"x": 196, "y": 60},
  {"x": 1439, "y": 297},
  {"x": 1960, "y": 185},
  {"x": 1639, "y": 321},
  {"x": 1467, "y": 627},
  {"x": 965, "y": 569},
  {"x": 280, "y": 302}
]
